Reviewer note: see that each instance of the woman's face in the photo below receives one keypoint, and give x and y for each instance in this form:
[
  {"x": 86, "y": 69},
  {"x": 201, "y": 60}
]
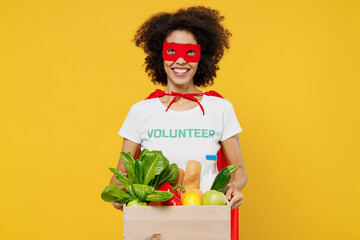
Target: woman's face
[{"x": 180, "y": 72}]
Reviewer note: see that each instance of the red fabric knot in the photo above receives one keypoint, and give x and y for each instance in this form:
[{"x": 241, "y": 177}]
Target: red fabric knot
[{"x": 190, "y": 96}]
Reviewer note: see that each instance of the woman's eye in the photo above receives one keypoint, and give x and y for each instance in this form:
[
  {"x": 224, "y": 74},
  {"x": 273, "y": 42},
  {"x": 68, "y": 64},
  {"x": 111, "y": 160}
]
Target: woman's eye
[
  {"x": 191, "y": 53},
  {"x": 171, "y": 51}
]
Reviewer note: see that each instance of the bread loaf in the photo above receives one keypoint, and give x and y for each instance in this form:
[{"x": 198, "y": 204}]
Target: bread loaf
[
  {"x": 192, "y": 174},
  {"x": 180, "y": 177},
  {"x": 179, "y": 180}
]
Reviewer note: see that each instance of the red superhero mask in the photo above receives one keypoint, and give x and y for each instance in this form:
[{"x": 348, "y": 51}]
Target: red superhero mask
[{"x": 189, "y": 52}]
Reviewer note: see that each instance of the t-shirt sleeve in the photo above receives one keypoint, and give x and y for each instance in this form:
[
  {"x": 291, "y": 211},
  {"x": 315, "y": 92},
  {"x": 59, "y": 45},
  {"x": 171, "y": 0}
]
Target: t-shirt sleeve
[
  {"x": 231, "y": 125},
  {"x": 130, "y": 127}
]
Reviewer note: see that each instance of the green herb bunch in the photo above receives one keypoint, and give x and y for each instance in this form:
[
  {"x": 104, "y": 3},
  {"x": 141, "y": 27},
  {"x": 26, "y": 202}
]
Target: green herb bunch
[{"x": 144, "y": 175}]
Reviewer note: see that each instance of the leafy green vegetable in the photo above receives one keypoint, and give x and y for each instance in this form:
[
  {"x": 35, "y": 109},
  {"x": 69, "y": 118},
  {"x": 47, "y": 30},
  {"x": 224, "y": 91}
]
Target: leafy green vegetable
[
  {"x": 159, "y": 196},
  {"x": 124, "y": 199},
  {"x": 121, "y": 177},
  {"x": 169, "y": 175},
  {"x": 144, "y": 176},
  {"x": 138, "y": 172},
  {"x": 143, "y": 153},
  {"x": 131, "y": 191},
  {"x": 129, "y": 164},
  {"x": 142, "y": 191},
  {"x": 154, "y": 182},
  {"x": 112, "y": 192},
  {"x": 153, "y": 163}
]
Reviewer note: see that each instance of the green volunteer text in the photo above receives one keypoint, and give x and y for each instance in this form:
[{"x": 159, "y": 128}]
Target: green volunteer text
[{"x": 181, "y": 133}]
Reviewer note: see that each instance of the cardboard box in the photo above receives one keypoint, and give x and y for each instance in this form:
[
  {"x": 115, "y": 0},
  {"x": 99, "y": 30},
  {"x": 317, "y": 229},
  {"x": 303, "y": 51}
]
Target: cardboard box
[{"x": 177, "y": 222}]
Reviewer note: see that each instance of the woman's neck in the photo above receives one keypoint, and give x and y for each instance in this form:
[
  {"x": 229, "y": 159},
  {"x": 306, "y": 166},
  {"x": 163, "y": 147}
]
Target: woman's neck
[
  {"x": 181, "y": 89},
  {"x": 180, "y": 103}
]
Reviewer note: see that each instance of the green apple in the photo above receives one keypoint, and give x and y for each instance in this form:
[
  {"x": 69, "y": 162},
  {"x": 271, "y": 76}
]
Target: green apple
[
  {"x": 136, "y": 202},
  {"x": 213, "y": 197}
]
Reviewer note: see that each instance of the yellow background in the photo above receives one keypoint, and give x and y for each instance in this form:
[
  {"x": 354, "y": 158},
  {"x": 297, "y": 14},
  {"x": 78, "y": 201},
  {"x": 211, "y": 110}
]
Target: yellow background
[{"x": 69, "y": 74}]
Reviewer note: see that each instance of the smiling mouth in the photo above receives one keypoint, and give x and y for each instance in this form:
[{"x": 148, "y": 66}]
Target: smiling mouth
[{"x": 180, "y": 70}]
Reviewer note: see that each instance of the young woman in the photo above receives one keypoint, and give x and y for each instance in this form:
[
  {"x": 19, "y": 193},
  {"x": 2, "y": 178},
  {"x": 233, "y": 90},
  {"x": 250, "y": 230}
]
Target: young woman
[{"x": 183, "y": 51}]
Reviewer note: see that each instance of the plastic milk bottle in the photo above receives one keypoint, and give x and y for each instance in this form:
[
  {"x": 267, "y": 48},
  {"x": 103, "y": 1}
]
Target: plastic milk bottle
[{"x": 209, "y": 173}]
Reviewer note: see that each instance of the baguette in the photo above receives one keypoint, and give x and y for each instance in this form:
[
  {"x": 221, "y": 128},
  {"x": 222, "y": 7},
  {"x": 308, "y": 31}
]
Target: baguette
[
  {"x": 180, "y": 177},
  {"x": 192, "y": 174},
  {"x": 179, "y": 180}
]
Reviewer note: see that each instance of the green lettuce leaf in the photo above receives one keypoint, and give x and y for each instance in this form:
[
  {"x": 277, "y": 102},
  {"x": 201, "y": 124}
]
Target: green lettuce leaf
[
  {"x": 121, "y": 177},
  {"x": 124, "y": 199},
  {"x": 153, "y": 163},
  {"x": 159, "y": 196},
  {"x": 131, "y": 191},
  {"x": 142, "y": 191},
  {"x": 129, "y": 164},
  {"x": 112, "y": 193},
  {"x": 169, "y": 175},
  {"x": 139, "y": 173},
  {"x": 154, "y": 182},
  {"x": 142, "y": 154}
]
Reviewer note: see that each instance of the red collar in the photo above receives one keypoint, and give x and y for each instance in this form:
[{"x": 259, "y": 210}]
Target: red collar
[{"x": 190, "y": 96}]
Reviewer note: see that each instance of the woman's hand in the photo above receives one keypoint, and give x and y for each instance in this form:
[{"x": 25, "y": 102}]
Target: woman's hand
[
  {"x": 232, "y": 152},
  {"x": 118, "y": 206},
  {"x": 235, "y": 197}
]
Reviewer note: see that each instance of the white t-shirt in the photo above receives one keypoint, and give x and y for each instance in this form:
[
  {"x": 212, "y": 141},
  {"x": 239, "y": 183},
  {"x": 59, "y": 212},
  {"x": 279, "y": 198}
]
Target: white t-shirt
[{"x": 181, "y": 135}]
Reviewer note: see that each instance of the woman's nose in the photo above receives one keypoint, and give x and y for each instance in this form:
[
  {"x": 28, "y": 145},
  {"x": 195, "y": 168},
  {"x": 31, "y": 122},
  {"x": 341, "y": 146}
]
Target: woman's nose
[{"x": 180, "y": 60}]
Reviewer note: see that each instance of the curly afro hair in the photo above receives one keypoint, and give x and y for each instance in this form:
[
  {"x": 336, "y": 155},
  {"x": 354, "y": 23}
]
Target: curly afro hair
[{"x": 204, "y": 23}]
